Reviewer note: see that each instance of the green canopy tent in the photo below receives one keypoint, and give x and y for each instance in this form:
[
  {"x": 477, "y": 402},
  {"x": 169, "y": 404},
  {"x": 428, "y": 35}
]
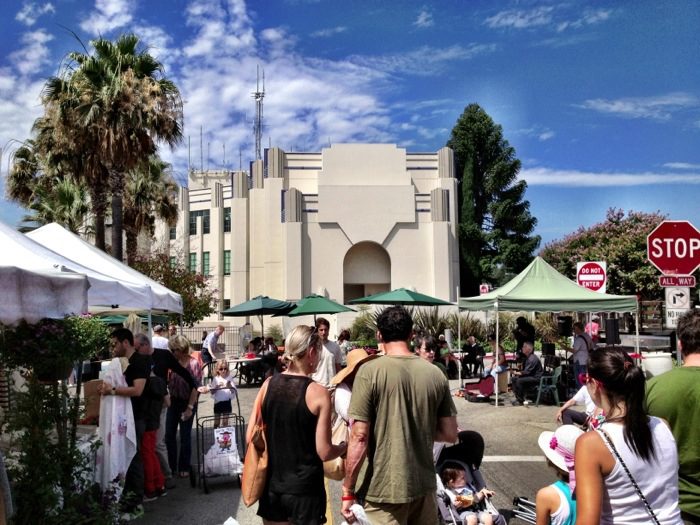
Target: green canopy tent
[
  {"x": 315, "y": 305},
  {"x": 541, "y": 288}
]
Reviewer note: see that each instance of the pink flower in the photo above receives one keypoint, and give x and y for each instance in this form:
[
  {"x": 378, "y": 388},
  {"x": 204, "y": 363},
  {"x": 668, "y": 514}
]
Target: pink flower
[{"x": 553, "y": 443}]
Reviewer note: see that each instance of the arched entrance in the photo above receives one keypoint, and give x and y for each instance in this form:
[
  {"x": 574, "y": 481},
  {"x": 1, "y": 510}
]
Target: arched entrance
[{"x": 366, "y": 270}]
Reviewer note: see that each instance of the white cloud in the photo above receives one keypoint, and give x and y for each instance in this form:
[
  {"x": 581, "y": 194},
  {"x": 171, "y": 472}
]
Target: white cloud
[
  {"x": 546, "y": 135},
  {"x": 31, "y": 12},
  {"x": 108, "y": 16},
  {"x": 658, "y": 108},
  {"x": 557, "y": 18},
  {"x": 681, "y": 166},
  {"x": 34, "y": 54},
  {"x": 423, "y": 61},
  {"x": 328, "y": 32},
  {"x": 541, "y": 133},
  {"x": 521, "y": 18},
  {"x": 573, "y": 178},
  {"x": 425, "y": 19}
]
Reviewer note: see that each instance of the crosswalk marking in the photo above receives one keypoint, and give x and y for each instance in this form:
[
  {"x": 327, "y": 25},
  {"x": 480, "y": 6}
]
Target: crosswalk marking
[{"x": 508, "y": 459}]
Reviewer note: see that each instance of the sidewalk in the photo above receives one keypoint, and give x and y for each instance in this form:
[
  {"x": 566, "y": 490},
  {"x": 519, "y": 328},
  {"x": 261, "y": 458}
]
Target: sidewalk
[{"x": 513, "y": 465}]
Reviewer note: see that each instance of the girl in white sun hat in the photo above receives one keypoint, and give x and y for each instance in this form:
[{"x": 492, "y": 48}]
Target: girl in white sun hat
[{"x": 555, "y": 503}]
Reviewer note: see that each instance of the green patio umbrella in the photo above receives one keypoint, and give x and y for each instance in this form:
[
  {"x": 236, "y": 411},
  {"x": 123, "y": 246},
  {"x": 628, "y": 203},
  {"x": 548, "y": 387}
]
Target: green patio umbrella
[
  {"x": 260, "y": 305},
  {"x": 402, "y": 296},
  {"x": 317, "y": 304}
]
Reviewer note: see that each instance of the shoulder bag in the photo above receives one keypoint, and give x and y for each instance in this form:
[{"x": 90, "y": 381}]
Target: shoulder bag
[
  {"x": 254, "y": 475},
  {"x": 335, "y": 468},
  {"x": 629, "y": 475}
]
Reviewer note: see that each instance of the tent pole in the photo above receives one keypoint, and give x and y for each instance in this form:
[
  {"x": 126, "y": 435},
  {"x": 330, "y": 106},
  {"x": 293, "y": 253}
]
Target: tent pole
[
  {"x": 636, "y": 331},
  {"x": 495, "y": 354},
  {"x": 459, "y": 344},
  {"x": 150, "y": 324}
]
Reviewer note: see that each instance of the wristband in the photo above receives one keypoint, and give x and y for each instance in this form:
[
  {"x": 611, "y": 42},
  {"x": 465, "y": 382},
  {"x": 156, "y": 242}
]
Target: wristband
[
  {"x": 350, "y": 497},
  {"x": 190, "y": 407}
]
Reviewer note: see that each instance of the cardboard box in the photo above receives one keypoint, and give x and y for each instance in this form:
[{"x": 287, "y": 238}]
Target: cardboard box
[{"x": 91, "y": 391}]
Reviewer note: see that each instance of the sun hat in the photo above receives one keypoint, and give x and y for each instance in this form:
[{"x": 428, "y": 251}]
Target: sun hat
[
  {"x": 355, "y": 358},
  {"x": 158, "y": 328},
  {"x": 558, "y": 446}
]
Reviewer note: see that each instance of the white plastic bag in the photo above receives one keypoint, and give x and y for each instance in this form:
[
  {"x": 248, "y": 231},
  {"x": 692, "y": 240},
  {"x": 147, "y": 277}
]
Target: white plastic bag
[
  {"x": 222, "y": 457},
  {"x": 360, "y": 516}
]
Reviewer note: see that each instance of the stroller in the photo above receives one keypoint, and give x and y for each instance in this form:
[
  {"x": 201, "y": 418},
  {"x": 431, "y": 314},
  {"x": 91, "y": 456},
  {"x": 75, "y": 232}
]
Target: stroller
[{"x": 467, "y": 455}]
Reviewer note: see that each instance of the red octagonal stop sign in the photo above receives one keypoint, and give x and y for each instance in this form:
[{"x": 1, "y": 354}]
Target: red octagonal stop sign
[{"x": 674, "y": 248}]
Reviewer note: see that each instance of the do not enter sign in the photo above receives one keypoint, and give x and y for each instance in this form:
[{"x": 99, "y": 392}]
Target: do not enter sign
[{"x": 592, "y": 275}]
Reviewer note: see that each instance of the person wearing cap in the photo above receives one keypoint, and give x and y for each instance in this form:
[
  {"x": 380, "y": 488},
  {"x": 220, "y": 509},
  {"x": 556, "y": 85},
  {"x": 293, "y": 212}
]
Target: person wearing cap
[
  {"x": 343, "y": 381},
  {"x": 555, "y": 503},
  {"x": 158, "y": 341}
]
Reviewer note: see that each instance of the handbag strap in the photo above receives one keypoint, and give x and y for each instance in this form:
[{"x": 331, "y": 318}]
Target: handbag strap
[
  {"x": 258, "y": 407},
  {"x": 629, "y": 475}
]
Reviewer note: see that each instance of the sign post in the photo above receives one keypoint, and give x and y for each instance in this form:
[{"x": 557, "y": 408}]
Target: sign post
[
  {"x": 677, "y": 303},
  {"x": 592, "y": 275}
]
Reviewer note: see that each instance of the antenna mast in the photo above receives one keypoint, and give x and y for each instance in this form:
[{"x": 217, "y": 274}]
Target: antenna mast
[{"x": 258, "y": 126}]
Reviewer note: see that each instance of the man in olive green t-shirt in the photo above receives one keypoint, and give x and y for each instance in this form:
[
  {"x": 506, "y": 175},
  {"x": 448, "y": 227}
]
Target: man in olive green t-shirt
[
  {"x": 400, "y": 405},
  {"x": 675, "y": 397}
]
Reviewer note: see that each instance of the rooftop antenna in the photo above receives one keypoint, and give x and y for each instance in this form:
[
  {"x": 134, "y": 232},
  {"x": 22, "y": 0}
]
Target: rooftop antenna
[
  {"x": 201, "y": 148},
  {"x": 208, "y": 155},
  {"x": 258, "y": 126},
  {"x": 189, "y": 153},
  {"x": 224, "y": 145},
  {"x": 240, "y": 159}
]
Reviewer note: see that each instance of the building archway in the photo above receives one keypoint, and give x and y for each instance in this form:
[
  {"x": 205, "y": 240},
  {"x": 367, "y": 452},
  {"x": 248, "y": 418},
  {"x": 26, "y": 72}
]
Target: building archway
[{"x": 366, "y": 270}]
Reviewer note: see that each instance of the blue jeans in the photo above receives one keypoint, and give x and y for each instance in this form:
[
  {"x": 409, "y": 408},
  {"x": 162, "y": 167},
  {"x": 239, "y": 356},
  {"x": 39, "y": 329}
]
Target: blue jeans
[{"x": 173, "y": 419}]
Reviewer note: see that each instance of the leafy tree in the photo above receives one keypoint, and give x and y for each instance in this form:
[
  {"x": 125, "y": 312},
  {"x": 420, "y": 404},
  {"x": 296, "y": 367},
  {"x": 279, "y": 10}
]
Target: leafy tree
[
  {"x": 64, "y": 202},
  {"x": 495, "y": 225},
  {"x": 620, "y": 241},
  {"x": 198, "y": 299}
]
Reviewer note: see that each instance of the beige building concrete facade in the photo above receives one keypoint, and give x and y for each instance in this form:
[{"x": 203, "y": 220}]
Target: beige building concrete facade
[{"x": 351, "y": 220}]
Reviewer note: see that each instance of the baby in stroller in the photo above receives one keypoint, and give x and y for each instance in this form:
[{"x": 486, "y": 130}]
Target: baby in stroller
[{"x": 465, "y": 497}]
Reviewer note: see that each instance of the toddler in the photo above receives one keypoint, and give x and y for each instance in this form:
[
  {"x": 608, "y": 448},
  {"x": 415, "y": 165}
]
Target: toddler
[
  {"x": 223, "y": 390},
  {"x": 464, "y": 496}
]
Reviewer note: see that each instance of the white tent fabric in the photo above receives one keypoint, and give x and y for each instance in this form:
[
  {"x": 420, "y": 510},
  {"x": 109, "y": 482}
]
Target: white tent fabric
[
  {"x": 56, "y": 238},
  {"x": 32, "y": 296},
  {"x": 18, "y": 250}
]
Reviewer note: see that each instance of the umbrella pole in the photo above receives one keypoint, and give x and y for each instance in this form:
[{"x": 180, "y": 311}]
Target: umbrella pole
[
  {"x": 459, "y": 343},
  {"x": 495, "y": 363}
]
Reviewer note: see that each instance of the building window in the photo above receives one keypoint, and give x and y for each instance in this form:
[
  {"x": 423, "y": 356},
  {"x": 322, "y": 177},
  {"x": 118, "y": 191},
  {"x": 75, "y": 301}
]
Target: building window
[
  {"x": 227, "y": 304},
  {"x": 204, "y": 214},
  {"x": 193, "y": 262},
  {"x": 227, "y": 219},
  {"x": 173, "y": 262},
  {"x": 173, "y": 233},
  {"x": 227, "y": 262},
  {"x": 205, "y": 263}
]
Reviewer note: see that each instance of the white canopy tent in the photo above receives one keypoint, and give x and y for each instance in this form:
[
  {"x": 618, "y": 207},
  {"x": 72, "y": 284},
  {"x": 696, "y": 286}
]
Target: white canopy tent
[
  {"x": 35, "y": 295},
  {"x": 58, "y": 239},
  {"x": 19, "y": 251}
]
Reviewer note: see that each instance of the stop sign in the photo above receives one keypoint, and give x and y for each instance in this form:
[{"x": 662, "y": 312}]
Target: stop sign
[
  {"x": 591, "y": 275},
  {"x": 674, "y": 248}
]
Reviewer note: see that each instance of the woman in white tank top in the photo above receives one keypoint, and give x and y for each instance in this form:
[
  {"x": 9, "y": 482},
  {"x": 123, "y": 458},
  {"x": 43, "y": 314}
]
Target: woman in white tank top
[{"x": 604, "y": 491}]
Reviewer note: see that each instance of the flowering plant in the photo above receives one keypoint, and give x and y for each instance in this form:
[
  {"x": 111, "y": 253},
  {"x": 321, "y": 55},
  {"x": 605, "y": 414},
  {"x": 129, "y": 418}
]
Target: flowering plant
[
  {"x": 52, "y": 344},
  {"x": 553, "y": 443}
]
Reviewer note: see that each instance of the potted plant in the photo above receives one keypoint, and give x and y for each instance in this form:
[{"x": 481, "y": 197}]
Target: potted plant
[{"x": 49, "y": 468}]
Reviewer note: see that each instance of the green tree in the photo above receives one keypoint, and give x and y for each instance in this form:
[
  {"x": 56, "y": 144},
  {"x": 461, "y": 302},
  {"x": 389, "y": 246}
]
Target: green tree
[
  {"x": 151, "y": 193},
  {"x": 620, "y": 240},
  {"x": 63, "y": 201},
  {"x": 198, "y": 299},
  {"x": 495, "y": 224}
]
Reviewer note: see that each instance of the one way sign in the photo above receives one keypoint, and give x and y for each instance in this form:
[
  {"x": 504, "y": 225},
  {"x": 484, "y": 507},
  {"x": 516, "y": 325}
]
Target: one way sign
[{"x": 677, "y": 303}]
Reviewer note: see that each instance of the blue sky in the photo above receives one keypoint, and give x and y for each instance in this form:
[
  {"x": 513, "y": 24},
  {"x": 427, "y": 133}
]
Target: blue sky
[{"x": 600, "y": 99}]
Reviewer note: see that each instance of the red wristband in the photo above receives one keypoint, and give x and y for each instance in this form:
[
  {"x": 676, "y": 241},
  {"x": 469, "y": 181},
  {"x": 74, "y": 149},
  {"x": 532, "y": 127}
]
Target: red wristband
[{"x": 349, "y": 497}]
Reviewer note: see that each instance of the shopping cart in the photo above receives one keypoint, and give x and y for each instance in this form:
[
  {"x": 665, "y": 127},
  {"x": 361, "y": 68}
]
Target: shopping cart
[
  {"x": 524, "y": 509},
  {"x": 220, "y": 451}
]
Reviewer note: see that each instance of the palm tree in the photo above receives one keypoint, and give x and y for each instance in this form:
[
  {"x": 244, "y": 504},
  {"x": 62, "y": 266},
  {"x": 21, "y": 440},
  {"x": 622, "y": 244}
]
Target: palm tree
[
  {"x": 128, "y": 105},
  {"x": 64, "y": 202},
  {"x": 24, "y": 172},
  {"x": 151, "y": 193}
]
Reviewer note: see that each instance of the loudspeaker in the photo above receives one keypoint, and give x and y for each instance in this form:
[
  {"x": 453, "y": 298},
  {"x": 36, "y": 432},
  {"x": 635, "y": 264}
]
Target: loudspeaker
[
  {"x": 565, "y": 325},
  {"x": 547, "y": 348},
  {"x": 612, "y": 331}
]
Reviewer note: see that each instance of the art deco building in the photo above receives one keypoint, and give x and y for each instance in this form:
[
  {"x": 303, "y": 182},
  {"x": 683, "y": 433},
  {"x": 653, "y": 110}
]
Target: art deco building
[{"x": 351, "y": 220}]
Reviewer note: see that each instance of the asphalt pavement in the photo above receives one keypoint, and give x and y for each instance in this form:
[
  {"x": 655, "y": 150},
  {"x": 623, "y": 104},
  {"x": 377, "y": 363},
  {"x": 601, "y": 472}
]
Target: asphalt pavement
[{"x": 513, "y": 465}]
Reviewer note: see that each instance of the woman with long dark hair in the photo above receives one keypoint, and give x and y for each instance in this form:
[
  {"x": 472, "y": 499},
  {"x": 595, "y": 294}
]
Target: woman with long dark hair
[{"x": 627, "y": 469}]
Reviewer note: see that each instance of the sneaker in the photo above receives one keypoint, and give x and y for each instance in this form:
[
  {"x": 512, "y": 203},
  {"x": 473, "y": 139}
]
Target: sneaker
[
  {"x": 148, "y": 497},
  {"x": 516, "y": 403},
  {"x": 135, "y": 513}
]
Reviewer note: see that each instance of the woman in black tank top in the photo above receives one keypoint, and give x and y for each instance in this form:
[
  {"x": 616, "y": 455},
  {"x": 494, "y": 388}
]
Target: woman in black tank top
[{"x": 296, "y": 412}]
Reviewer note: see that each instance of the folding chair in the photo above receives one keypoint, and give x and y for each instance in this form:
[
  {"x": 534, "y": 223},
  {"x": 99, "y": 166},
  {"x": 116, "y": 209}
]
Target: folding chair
[{"x": 549, "y": 384}]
